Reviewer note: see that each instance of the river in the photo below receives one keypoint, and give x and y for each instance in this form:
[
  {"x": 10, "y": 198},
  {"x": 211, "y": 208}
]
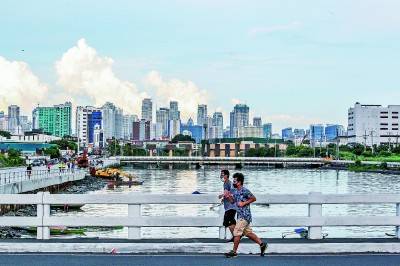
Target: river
[{"x": 258, "y": 180}]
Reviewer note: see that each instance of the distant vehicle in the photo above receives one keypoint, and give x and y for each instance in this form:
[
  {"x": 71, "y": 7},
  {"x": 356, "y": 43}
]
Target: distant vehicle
[{"x": 37, "y": 163}]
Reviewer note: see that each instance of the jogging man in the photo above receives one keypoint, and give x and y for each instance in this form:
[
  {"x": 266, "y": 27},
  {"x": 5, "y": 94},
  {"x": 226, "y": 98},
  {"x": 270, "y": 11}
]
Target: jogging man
[
  {"x": 242, "y": 197},
  {"x": 230, "y": 208}
]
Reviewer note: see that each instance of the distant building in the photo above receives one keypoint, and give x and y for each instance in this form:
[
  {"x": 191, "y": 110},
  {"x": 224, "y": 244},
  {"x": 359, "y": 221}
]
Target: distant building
[
  {"x": 373, "y": 124},
  {"x": 202, "y": 114},
  {"x": 217, "y": 126},
  {"x": 174, "y": 128},
  {"x": 317, "y": 136},
  {"x": 82, "y": 123},
  {"x": 174, "y": 113},
  {"x": 257, "y": 122},
  {"x": 239, "y": 117},
  {"x": 250, "y": 132},
  {"x": 195, "y": 131},
  {"x": 94, "y": 123},
  {"x": 54, "y": 120},
  {"x": 162, "y": 118},
  {"x": 333, "y": 131},
  {"x": 147, "y": 109},
  {"x": 112, "y": 121},
  {"x": 299, "y": 133},
  {"x": 13, "y": 119},
  {"x": 128, "y": 126},
  {"x": 267, "y": 130},
  {"x": 287, "y": 133},
  {"x": 141, "y": 130}
]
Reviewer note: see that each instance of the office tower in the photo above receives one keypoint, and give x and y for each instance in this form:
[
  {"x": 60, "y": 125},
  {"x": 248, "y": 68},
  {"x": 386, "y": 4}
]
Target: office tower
[
  {"x": 13, "y": 118},
  {"x": 82, "y": 123},
  {"x": 267, "y": 130},
  {"x": 257, "y": 122},
  {"x": 202, "y": 114},
  {"x": 147, "y": 109},
  {"x": 239, "y": 117},
  {"x": 174, "y": 113},
  {"x": 162, "y": 118},
  {"x": 55, "y": 120}
]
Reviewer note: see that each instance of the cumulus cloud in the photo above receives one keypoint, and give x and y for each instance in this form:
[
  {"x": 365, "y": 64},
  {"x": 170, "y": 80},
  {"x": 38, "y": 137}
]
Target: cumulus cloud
[
  {"x": 185, "y": 92},
  {"x": 82, "y": 72},
  {"x": 274, "y": 28},
  {"x": 18, "y": 85}
]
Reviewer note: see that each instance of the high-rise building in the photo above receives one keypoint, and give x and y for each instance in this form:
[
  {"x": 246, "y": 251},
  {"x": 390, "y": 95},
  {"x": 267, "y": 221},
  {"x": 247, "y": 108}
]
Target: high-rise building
[
  {"x": 190, "y": 122},
  {"x": 119, "y": 123},
  {"x": 287, "y": 133},
  {"x": 128, "y": 126},
  {"x": 217, "y": 126},
  {"x": 249, "y": 132},
  {"x": 3, "y": 121},
  {"x": 54, "y": 120},
  {"x": 333, "y": 131},
  {"x": 299, "y": 133},
  {"x": 195, "y": 131},
  {"x": 13, "y": 119},
  {"x": 141, "y": 130},
  {"x": 174, "y": 113},
  {"x": 162, "y": 118},
  {"x": 82, "y": 123},
  {"x": 239, "y": 117},
  {"x": 257, "y": 122},
  {"x": 373, "y": 124},
  {"x": 25, "y": 124},
  {"x": 316, "y": 134},
  {"x": 108, "y": 111},
  {"x": 174, "y": 128},
  {"x": 267, "y": 130},
  {"x": 202, "y": 114},
  {"x": 94, "y": 121},
  {"x": 147, "y": 109}
]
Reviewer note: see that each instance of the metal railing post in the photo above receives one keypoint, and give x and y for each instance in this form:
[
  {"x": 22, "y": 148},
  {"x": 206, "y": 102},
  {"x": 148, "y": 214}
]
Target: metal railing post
[
  {"x": 398, "y": 214},
  {"x": 314, "y": 212},
  {"x": 46, "y": 214},
  {"x": 134, "y": 212},
  {"x": 222, "y": 229},
  {"x": 39, "y": 214}
]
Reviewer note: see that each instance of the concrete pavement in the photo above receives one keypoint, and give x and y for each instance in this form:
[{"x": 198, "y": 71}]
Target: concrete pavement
[{"x": 194, "y": 260}]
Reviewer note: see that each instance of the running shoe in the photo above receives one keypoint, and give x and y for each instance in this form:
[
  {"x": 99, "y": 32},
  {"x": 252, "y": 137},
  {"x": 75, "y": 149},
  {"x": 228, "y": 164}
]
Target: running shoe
[{"x": 231, "y": 254}]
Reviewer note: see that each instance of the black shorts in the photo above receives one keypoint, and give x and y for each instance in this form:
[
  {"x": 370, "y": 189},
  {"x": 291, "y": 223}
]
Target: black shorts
[{"x": 229, "y": 218}]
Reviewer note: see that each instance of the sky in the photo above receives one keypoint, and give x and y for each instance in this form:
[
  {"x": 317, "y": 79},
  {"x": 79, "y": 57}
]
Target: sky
[{"x": 292, "y": 62}]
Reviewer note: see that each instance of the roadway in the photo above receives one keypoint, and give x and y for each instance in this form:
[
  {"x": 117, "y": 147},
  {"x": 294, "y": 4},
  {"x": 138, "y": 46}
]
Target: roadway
[{"x": 194, "y": 260}]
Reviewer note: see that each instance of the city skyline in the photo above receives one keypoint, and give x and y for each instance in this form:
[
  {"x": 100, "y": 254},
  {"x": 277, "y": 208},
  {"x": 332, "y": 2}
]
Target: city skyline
[{"x": 292, "y": 66}]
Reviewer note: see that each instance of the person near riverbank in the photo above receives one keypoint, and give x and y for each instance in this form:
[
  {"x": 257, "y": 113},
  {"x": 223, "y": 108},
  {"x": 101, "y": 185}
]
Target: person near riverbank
[
  {"x": 29, "y": 171},
  {"x": 230, "y": 208},
  {"x": 242, "y": 197}
]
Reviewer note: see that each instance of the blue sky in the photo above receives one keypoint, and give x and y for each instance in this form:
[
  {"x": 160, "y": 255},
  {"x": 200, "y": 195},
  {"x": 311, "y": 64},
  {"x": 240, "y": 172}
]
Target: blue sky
[{"x": 292, "y": 62}]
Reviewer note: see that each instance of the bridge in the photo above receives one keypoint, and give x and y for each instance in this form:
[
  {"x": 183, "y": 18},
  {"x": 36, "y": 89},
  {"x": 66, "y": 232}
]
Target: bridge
[
  {"x": 137, "y": 223},
  {"x": 258, "y": 161},
  {"x": 21, "y": 181}
]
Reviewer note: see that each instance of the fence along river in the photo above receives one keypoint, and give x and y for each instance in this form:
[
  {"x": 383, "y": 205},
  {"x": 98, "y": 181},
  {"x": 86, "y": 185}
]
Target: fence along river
[{"x": 259, "y": 181}]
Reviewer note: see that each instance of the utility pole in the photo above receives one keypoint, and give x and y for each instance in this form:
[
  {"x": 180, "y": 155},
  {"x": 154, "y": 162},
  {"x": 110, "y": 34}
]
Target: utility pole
[
  {"x": 365, "y": 140},
  {"x": 389, "y": 139}
]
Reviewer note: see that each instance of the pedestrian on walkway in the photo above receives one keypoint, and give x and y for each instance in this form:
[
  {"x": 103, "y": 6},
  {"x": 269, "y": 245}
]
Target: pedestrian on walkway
[
  {"x": 29, "y": 170},
  {"x": 230, "y": 208},
  {"x": 243, "y": 197}
]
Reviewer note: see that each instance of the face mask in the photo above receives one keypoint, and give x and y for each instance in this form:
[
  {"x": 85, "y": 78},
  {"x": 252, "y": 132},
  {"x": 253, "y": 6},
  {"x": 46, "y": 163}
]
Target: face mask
[{"x": 235, "y": 185}]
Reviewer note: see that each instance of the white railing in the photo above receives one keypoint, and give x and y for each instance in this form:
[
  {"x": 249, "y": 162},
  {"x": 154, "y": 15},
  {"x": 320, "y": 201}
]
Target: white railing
[
  {"x": 136, "y": 222},
  {"x": 218, "y": 159},
  {"x": 20, "y": 176}
]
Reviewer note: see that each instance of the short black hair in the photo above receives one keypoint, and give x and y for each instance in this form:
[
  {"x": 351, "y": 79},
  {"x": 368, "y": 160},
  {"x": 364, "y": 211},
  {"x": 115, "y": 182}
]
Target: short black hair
[
  {"x": 225, "y": 172},
  {"x": 239, "y": 177}
]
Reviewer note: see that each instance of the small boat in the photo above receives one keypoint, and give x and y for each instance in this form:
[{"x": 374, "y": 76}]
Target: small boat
[{"x": 125, "y": 183}]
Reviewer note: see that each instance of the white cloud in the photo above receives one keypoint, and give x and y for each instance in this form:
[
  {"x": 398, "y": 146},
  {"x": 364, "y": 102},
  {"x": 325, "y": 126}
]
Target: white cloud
[
  {"x": 185, "y": 92},
  {"x": 84, "y": 73},
  {"x": 18, "y": 85},
  {"x": 274, "y": 28}
]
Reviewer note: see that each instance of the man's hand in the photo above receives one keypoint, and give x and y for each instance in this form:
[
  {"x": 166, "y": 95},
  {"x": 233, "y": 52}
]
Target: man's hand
[{"x": 241, "y": 203}]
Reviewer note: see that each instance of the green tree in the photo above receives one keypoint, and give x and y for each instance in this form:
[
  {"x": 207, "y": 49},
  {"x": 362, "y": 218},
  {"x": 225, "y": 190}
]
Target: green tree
[
  {"x": 5, "y": 134},
  {"x": 53, "y": 152},
  {"x": 64, "y": 144}
]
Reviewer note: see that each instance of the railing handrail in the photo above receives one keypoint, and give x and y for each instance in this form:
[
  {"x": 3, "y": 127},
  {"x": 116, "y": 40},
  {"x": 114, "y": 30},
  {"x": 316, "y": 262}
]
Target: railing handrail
[{"x": 135, "y": 221}]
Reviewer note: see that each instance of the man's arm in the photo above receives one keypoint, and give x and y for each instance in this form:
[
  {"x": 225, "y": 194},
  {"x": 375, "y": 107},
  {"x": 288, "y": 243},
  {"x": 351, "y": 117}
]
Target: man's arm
[{"x": 247, "y": 202}]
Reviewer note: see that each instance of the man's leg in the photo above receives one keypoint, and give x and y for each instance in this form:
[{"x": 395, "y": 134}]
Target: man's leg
[
  {"x": 236, "y": 240},
  {"x": 255, "y": 238}
]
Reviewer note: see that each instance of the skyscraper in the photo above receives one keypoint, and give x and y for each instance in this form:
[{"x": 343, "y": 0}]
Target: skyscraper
[
  {"x": 287, "y": 133},
  {"x": 218, "y": 125},
  {"x": 257, "y": 122},
  {"x": 54, "y": 120},
  {"x": 239, "y": 117},
  {"x": 147, "y": 109},
  {"x": 174, "y": 113},
  {"x": 82, "y": 123},
  {"x": 162, "y": 118},
  {"x": 316, "y": 134},
  {"x": 202, "y": 114},
  {"x": 267, "y": 130},
  {"x": 128, "y": 126},
  {"x": 13, "y": 118}
]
